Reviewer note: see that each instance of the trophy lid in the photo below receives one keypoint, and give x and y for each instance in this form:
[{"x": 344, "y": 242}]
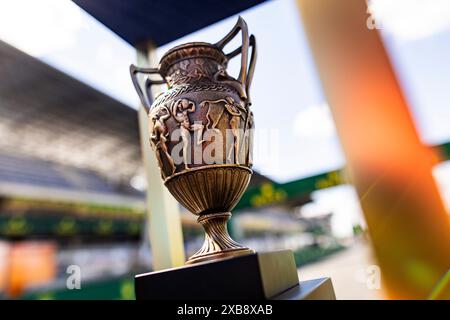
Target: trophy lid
[{"x": 191, "y": 50}]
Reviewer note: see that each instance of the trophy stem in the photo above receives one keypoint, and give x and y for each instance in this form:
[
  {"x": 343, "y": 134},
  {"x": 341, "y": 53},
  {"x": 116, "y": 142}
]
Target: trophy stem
[{"x": 218, "y": 243}]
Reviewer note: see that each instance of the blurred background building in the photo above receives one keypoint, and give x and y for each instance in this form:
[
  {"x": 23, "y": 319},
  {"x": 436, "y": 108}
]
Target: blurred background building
[{"x": 72, "y": 185}]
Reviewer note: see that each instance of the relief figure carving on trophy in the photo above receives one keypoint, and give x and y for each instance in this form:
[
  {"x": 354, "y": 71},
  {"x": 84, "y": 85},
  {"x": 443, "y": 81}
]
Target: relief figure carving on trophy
[
  {"x": 215, "y": 112},
  {"x": 236, "y": 113},
  {"x": 180, "y": 111},
  {"x": 249, "y": 132},
  {"x": 158, "y": 138}
]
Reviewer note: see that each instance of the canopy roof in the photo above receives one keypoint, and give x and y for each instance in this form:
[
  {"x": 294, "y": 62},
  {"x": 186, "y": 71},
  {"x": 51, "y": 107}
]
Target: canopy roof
[{"x": 161, "y": 21}]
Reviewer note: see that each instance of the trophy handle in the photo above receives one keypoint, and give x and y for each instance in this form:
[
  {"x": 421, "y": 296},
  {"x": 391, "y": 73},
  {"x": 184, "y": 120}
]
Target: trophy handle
[
  {"x": 243, "y": 50},
  {"x": 251, "y": 68},
  {"x": 144, "y": 96}
]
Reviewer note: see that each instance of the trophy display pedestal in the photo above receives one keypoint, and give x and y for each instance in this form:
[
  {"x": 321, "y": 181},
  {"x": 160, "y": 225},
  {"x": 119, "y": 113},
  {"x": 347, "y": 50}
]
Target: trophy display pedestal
[
  {"x": 263, "y": 275},
  {"x": 314, "y": 289}
]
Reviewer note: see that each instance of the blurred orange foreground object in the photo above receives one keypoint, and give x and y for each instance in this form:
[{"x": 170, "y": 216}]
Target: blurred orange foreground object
[
  {"x": 442, "y": 289},
  {"x": 30, "y": 264},
  {"x": 390, "y": 168},
  {"x": 4, "y": 255}
]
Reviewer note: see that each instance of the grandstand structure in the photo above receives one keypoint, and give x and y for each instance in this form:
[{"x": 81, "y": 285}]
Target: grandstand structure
[
  {"x": 66, "y": 150},
  {"x": 51, "y": 116}
]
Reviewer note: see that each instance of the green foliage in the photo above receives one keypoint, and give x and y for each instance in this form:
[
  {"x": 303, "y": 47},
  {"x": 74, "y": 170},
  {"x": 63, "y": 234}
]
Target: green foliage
[{"x": 311, "y": 254}]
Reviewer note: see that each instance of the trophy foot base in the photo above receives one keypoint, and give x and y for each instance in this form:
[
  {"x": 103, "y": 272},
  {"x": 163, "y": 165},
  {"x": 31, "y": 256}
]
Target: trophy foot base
[
  {"x": 220, "y": 255},
  {"x": 218, "y": 243}
]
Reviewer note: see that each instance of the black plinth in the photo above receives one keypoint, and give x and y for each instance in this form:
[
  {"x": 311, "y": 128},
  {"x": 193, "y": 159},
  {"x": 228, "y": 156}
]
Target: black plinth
[
  {"x": 315, "y": 289},
  {"x": 256, "y": 276}
]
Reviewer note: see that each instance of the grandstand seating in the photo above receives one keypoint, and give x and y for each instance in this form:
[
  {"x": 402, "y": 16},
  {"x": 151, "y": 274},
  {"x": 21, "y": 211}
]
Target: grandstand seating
[{"x": 21, "y": 169}]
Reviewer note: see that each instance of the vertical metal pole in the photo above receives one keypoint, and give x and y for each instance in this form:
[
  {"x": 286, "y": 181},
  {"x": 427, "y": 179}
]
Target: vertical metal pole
[
  {"x": 164, "y": 222},
  {"x": 389, "y": 166}
]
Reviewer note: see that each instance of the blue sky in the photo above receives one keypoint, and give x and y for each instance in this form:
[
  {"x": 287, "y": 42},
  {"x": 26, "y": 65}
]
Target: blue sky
[
  {"x": 288, "y": 102},
  {"x": 423, "y": 68}
]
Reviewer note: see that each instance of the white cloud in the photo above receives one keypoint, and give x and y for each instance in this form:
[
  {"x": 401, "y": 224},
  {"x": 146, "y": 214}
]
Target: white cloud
[
  {"x": 40, "y": 27},
  {"x": 314, "y": 122},
  {"x": 411, "y": 19}
]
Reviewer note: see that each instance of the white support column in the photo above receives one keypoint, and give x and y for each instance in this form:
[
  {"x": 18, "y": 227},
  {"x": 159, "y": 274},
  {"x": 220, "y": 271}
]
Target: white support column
[{"x": 164, "y": 222}]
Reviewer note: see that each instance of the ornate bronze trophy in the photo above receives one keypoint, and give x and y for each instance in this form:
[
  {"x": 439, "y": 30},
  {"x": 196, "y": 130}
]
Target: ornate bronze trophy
[{"x": 201, "y": 131}]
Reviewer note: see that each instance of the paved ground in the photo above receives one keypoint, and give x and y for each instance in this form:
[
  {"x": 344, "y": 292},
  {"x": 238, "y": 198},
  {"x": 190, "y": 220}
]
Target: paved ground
[{"x": 351, "y": 271}]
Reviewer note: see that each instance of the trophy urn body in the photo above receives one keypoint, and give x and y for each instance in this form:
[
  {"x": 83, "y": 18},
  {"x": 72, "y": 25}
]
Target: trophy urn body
[{"x": 201, "y": 130}]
